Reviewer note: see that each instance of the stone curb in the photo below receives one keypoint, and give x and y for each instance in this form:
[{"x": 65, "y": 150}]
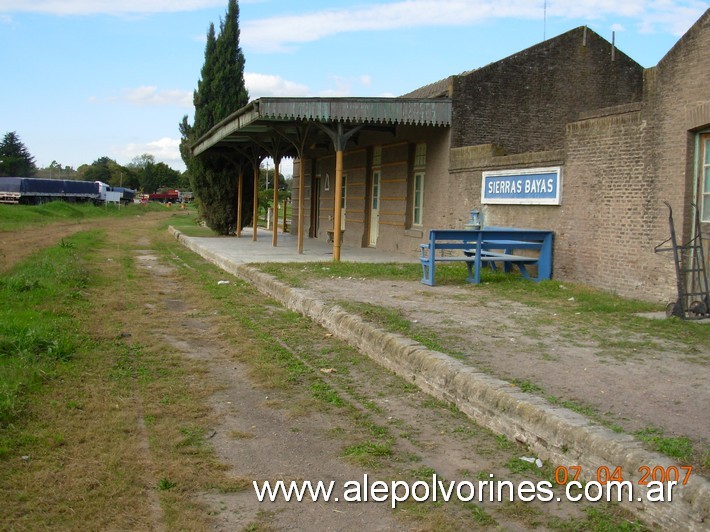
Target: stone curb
[{"x": 556, "y": 434}]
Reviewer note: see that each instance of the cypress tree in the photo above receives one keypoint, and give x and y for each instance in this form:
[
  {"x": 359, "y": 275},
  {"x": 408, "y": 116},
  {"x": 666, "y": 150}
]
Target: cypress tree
[
  {"x": 220, "y": 92},
  {"x": 15, "y": 158}
]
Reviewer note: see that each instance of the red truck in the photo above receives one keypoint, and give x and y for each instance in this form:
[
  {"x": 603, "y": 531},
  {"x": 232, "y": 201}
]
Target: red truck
[{"x": 166, "y": 196}]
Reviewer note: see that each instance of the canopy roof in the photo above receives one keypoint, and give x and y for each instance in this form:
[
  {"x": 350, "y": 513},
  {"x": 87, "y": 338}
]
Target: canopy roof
[{"x": 264, "y": 119}]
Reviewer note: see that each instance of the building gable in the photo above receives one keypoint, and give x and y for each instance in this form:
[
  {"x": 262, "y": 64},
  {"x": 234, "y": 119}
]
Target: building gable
[{"x": 524, "y": 101}]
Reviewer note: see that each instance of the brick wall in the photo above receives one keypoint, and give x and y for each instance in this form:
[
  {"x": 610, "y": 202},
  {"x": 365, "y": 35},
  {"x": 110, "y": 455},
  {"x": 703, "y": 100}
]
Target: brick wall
[
  {"x": 677, "y": 106},
  {"x": 395, "y": 231},
  {"x": 620, "y": 164},
  {"x": 604, "y": 237},
  {"x": 624, "y": 137},
  {"x": 523, "y": 103}
]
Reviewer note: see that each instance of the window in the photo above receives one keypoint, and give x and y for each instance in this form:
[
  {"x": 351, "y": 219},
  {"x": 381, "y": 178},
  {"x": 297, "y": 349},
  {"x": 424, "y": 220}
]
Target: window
[
  {"x": 705, "y": 178},
  {"x": 418, "y": 184},
  {"x": 344, "y": 188},
  {"x": 377, "y": 156},
  {"x": 343, "y": 201},
  {"x": 420, "y": 156},
  {"x": 418, "y": 199}
]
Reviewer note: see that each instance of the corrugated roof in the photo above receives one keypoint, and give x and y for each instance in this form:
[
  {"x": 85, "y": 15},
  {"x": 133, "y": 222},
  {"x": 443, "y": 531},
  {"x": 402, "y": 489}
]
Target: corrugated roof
[
  {"x": 357, "y": 110},
  {"x": 438, "y": 89},
  {"x": 262, "y": 115}
]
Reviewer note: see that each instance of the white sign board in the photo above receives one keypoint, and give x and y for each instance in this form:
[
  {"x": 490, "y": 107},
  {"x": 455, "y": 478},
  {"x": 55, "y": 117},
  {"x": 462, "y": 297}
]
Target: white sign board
[
  {"x": 113, "y": 197},
  {"x": 528, "y": 186}
]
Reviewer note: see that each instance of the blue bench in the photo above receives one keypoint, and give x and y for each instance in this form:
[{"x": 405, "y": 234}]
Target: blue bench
[{"x": 487, "y": 246}]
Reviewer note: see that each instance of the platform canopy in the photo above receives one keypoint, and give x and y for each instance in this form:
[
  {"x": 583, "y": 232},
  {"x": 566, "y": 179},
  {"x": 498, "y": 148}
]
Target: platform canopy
[
  {"x": 267, "y": 118},
  {"x": 299, "y": 127}
]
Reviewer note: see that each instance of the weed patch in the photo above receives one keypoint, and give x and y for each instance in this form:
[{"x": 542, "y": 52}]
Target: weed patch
[{"x": 38, "y": 328}]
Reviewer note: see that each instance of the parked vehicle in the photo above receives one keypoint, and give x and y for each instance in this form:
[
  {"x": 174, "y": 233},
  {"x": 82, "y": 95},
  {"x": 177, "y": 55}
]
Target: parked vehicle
[
  {"x": 127, "y": 194},
  {"x": 33, "y": 191},
  {"x": 166, "y": 196}
]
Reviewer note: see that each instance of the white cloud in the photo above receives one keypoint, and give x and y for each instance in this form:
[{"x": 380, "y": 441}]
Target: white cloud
[
  {"x": 260, "y": 85},
  {"x": 595, "y": 9},
  {"x": 109, "y": 7},
  {"x": 280, "y": 33},
  {"x": 672, "y": 16},
  {"x": 284, "y": 33},
  {"x": 343, "y": 86},
  {"x": 151, "y": 95},
  {"x": 165, "y": 150},
  {"x": 264, "y": 85}
]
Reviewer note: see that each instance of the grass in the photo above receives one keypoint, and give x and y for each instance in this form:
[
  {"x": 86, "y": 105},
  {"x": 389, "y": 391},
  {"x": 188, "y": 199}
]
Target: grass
[
  {"x": 111, "y": 426},
  {"x": 680, "y": 447},
  {"x": 13, "y": 217},
  {"x": 608, "y": 322},
  {"x": 575, "y": 306},
  {"x": 189, "y": 223},
  {"x": 119, "y": 426},
  {"x": 369, "y": 453},
  {"x": 38, "y": 331},
  {"x": 610, "y": 519}
]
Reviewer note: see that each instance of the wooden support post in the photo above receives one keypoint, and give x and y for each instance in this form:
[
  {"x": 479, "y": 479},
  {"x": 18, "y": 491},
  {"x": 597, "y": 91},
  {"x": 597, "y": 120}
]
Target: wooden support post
[
  {"x": 338, "y": 204},
  {"x": 340, "y": 139},
  {"x": 301, "y": 188},
  {"x": 285, "y": 209},
  {"x": 255, "y": 217},
  {"x": 240, "y": 197},
  {"x": 275, "y": 218}
]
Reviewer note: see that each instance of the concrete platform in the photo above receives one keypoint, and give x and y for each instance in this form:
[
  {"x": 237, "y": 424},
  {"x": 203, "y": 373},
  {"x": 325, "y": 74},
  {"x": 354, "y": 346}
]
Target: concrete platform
[
  {"x": 555, "y": 434},
  {"x": 244, "y": 250}
]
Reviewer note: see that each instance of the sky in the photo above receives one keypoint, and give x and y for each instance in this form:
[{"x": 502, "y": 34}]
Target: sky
[{"x": 84, "y": 79}]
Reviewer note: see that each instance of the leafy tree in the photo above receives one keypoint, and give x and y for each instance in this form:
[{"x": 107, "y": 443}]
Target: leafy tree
[
  {"x": 56, "y": 171},
  {"x": 265, "y": 174},
  {"x": 108, "y": 171},
  {"x": 184, "y": 181},
  {"x": 220, "y": 91},
  {"x": 152, "y": 176},
  {"x": 98, "y": 170},
  {"x": 15, "y": 158}
]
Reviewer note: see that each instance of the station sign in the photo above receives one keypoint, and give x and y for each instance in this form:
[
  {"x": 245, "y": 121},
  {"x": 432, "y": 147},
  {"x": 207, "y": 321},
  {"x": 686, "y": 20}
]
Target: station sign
[{"x": 528, "y": 186}]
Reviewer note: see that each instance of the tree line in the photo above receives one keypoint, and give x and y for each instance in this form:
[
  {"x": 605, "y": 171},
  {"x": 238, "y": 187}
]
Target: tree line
[{"x": 143, "y": 173}]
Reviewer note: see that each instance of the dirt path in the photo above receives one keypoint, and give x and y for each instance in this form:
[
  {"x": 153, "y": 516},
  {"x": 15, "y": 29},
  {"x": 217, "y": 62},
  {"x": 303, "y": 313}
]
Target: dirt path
[
  {"x": 634, "y": 382},
  {"x": 265, "y": 433},
  {"x": 18, "y": 245}
]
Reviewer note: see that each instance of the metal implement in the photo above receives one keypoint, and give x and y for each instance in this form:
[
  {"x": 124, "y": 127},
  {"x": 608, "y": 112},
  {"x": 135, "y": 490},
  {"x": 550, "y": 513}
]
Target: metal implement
[{"x": 693, "y": 301}]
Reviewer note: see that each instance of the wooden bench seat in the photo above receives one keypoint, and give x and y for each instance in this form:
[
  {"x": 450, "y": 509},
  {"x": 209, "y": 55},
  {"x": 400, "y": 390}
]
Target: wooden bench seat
[{"x": 487, "y": 246}]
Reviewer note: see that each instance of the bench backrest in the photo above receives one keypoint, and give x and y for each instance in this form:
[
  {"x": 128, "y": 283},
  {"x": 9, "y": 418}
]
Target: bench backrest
[{"x": 490, "y": 237}]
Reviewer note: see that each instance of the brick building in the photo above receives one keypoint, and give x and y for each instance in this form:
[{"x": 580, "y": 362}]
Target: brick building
[{"x": 613, "y": 140}]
